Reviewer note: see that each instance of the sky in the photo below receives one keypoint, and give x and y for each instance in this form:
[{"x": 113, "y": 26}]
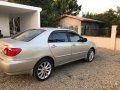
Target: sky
[{"x": 98, "y": 6}]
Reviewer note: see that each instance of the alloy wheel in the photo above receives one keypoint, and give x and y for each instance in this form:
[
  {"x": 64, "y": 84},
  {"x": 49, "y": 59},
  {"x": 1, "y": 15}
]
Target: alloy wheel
[
  {"x": 44, "y": 70},
  {"x": 91, "y": 55}
]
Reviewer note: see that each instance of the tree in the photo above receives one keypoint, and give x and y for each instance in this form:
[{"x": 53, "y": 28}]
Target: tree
[
  {"x": 52, "y": 10},
  {"x": 110, "y": 17},
  {"x": 67, "y": 7}
]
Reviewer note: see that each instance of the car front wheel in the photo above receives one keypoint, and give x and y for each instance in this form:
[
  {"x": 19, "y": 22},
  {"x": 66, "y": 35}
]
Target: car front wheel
[
  {"x": 43, "y": 69},
  {"x": 90, "y": 55}
]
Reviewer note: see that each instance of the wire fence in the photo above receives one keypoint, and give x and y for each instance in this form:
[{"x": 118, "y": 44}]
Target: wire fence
[
  {"x": 118, "y": 32},
  {"x": 103, "y": 32}
]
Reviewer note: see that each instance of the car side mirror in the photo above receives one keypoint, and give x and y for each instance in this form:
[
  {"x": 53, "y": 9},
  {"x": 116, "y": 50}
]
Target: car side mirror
[
  {"x": 83, "y": 40},
  {"x": 51, "y": 40}
]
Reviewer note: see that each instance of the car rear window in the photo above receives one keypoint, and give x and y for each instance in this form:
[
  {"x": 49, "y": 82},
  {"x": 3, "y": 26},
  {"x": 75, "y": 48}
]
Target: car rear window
[{"x": 27, "y": 35}]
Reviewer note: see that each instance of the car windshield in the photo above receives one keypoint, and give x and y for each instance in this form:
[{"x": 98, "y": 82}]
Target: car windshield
[{"x": 27, "y": 35}]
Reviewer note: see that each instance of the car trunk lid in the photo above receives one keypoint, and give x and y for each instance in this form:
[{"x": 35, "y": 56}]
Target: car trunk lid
[{"x": 7, "y": 43}]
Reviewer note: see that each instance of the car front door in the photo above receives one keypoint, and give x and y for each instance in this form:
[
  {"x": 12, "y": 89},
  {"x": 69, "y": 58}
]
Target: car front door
[
  {"x": 60, "y": 46},
  {"x": 79, "y": 48}
]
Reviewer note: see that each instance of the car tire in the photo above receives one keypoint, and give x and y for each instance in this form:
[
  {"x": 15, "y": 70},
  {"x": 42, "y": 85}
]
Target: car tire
[
  {"x": 43, "y": 69},
  {"x": 90, "y": 55}
]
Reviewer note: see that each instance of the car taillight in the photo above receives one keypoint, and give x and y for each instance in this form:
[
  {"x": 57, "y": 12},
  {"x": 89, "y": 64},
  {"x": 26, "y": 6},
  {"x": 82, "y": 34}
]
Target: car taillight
[{"x": 12, "y": 51}]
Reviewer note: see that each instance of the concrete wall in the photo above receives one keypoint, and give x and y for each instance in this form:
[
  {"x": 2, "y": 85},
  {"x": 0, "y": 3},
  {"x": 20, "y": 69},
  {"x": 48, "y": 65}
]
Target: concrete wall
[
  {"x": 118, "y": 44},
  {"x": 112, "y": 42},
  {"x": 30, "y": 21},
  {"x": 68, "y": 22},
  {"x": 100, "y": 41},
  {"x": 104, "y": 42},
  {"x": 4, "y": 24}
]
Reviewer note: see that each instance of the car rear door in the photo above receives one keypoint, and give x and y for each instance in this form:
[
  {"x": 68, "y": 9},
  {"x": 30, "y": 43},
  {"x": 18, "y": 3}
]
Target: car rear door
[
  {"x": 79, "y": 48},
  {"x": 60, "y": 46}
]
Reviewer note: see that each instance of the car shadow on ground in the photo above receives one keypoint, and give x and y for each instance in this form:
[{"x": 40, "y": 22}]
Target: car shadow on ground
[
  {"x": 61, "y": 71},
  {"x": 72, "y": 65}
]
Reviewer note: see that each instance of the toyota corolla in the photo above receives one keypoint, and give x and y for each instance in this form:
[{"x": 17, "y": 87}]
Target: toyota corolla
[{"x": 40, "y": 50}]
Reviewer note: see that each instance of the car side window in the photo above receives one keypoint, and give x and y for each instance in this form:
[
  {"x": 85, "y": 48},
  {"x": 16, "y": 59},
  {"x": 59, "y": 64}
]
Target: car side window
[
  {"x": 58, "y": 37},
  {"x": 74, "y": 37}
]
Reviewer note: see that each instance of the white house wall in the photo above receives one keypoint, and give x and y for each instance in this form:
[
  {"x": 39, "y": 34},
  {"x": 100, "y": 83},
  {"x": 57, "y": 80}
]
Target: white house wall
[
  {"x": 4, "y": 24},
  {"x": 68, "y": 22},
  {"x": 30, "y": 21}
]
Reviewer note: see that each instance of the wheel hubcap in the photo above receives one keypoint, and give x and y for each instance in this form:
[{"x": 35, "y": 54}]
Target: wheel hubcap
[
  {"x": 44, "y": 70},
  {"x": 91, "y": 56}
]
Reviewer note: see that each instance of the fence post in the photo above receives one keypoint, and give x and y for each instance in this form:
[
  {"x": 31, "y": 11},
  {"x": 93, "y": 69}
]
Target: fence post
[
  {"x": 113, "y": 38},
  {"x": 79, "y": 28}
]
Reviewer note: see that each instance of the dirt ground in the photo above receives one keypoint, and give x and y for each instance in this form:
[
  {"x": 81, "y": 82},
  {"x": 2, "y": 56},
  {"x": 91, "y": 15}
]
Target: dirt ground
[{"x": 101, "y": 74}]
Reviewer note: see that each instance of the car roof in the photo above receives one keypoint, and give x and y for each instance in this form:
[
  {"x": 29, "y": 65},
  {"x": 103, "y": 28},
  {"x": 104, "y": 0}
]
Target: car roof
[
  {"x": 48, "y": 28},
  {"x": 55, "y": 29}
]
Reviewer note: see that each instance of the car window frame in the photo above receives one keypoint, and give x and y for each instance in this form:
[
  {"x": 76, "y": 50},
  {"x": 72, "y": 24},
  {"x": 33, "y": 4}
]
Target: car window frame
[
  {"x": 73, "y": 33},
  {"x": 59, "y": 31},
  {"x": 20, "y": 33}
]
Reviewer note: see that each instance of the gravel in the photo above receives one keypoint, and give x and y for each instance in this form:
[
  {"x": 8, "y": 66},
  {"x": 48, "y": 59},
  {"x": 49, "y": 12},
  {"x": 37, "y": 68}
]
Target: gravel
[{"x": 101, "y": 74}]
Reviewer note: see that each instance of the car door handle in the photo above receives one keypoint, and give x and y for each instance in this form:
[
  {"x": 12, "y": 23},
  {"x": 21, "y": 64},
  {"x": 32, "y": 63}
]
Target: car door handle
[
  {"x": 53, "y": 46},
  {"x": 74, "y": 45}
]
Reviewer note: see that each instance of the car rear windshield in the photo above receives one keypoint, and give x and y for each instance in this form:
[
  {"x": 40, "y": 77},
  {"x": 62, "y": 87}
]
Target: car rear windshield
[{"x": 27, "y": 35}]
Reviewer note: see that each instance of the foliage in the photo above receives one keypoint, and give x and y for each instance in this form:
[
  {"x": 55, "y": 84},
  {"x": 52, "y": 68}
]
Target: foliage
[
  {"x": 110, "y": 17},
  {"x": 67, "y": 7},
  {"x": 52, "y": 10}
]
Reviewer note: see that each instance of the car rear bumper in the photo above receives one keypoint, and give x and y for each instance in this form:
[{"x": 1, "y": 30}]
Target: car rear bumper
[{"x": 16, "y": 67}]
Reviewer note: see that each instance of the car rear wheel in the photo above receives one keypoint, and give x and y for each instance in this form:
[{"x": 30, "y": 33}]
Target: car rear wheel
[
  {"x": 43, "y": 69},
  {"x": 90, "y": 55}
]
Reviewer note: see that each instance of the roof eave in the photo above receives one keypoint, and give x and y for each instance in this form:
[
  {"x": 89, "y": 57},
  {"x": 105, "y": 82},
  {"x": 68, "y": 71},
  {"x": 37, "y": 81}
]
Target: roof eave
[{"x": 15, "y": 5}]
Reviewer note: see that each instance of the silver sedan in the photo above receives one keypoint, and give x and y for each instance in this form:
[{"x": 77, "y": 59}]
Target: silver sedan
[{"x": 40, "y": 50}]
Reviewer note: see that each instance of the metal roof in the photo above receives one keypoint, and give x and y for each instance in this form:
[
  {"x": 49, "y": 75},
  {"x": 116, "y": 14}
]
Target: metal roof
[{"x": 81, "y": 18}]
